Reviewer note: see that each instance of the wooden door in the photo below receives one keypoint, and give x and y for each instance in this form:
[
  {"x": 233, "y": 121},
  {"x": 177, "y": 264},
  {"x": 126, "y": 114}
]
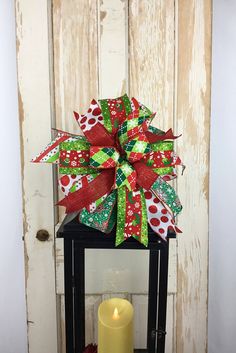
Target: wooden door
[{"x": 69, "y": 51}]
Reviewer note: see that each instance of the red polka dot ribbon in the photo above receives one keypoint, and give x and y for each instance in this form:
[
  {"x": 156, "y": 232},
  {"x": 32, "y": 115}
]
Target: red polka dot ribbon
[{"x": 121, "y": 160}]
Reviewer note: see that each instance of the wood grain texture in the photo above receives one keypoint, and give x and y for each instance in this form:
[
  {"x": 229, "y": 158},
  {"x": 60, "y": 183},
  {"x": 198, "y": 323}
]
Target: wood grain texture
[
  {"x": 61, "y": 324},
  {"x": 193, "y": 117},
  {"x": 113, "y": 47},
  {"x": 59, "y": 252},
  {"x": 34, "y": 110},
  {"x": 153, "y": 78},
  {"x": 170, "y": 324},
  {"x": 92, "y": 303},
  {"x": 151, "y": 53},
  {"x": 140, "y": 304},
  {"x": 152, "y": 70},
  {"x": 172, "y": 267},
  {"x": 75, "y": 59}
]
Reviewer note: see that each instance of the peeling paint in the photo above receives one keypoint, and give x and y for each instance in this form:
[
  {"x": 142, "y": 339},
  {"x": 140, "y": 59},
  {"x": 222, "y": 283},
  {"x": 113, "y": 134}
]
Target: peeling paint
[
  {"x": 102, "y": 15},
  {"x": 24, "y": 214},
  {"x": 193, "y": 112},
  {"x": 123, "y": 87},
  {"x": 75, "y": 51},
  {"x": 32, "y": 70}
]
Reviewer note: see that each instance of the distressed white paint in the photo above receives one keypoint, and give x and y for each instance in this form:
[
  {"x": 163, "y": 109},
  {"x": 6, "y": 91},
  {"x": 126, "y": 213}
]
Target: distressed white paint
[
  {"x": 59, "y": 250},
  {"x": 92, "y": 303},
  {"x": 34, "y": 104},
  {"x": 75, "y": 40},
  {"x": 151, "y": 51},
  {"x": 152, "y": 79},
  {"x": 172, "y": 267},
  {"x": 140, "y": 304},
  {"x": 113, "y": 46},
  {"x": 75, "y": 58},
  {"x": 152, "y": 72},
  {"x": 61, "y": 324},
  {"x": 193, "y": 116}
]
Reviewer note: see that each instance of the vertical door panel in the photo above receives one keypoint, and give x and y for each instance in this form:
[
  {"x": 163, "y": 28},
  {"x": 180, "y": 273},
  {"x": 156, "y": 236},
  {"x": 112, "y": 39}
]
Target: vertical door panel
[
  {"x": 75, "y": 59},
  {"x": 151, "y": 49},
  {"x": 113, "y": 48},
  {"x": 33, "y": 50},
  {"x": 152, "y": 69},
  {"x": 193, "y": 118}
]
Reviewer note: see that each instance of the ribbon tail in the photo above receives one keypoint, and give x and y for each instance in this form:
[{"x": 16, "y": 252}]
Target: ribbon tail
[
  {"x": 121, "y": 212},
  {"x": 51, "y": 153},
  {"x": 144, "y": 230},
  {"x": 131, "y": 216},
  {"x": 168, "y": 135},
  {"x": 159, "y": 218}
]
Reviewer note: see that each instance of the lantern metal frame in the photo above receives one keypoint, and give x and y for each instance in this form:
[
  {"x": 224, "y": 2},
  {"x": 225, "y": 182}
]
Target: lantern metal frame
[{"x": 78, "y": 237}]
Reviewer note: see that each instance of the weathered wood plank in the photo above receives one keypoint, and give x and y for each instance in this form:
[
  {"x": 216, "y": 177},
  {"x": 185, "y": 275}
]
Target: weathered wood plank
[
  {"x": 75, "y": 72},
  {"x": 140, "y": 304},
  {"x": 61, "y": 324},
  {"x": 193, "y": 117},
  {"x": 170, "y": 327},
  {"x": 92, "y": 303},
  {"x": 151, "y": 52},
  {"x": 75, "y": 59},
  {"x": 113, "y": 48},
  {"x": 59, "y": 253},
  {"x": 34, "y": 108},
  {"x": 106, "y": 296},
  {"x": 91, "y": 320},
  {"x": 172, "y": 269},
  {"x": 152, "y": 70}
]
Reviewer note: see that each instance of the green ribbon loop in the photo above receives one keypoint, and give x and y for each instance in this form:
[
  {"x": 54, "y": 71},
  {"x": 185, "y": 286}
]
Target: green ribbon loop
[{"x": 166, "y": 193}]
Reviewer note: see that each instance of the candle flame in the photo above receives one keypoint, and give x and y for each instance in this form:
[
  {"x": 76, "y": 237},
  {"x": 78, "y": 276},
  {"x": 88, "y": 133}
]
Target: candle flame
[{"x": 115, "y": 315}]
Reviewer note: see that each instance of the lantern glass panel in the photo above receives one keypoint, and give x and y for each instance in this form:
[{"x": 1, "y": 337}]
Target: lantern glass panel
[{"x": 117, "y": 273}]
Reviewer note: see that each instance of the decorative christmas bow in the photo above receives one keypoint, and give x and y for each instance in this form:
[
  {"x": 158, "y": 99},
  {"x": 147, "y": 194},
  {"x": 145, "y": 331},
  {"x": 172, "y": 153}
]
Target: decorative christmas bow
[{"x": 118, "y": 172}]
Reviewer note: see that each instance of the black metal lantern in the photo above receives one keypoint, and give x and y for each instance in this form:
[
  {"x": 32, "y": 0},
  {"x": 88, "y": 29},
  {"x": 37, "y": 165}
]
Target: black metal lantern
[{"x": 77, "y": 238}]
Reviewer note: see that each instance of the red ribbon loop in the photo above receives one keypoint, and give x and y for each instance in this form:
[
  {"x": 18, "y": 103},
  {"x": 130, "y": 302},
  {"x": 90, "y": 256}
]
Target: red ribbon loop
[
  {"x": 145, "y": 175},
  {"x": 93, "y": 191}
]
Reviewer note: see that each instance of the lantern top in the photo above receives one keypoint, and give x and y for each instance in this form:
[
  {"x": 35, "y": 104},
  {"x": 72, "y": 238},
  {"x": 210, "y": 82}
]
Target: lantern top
[{"x": 89, "y": 237}]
